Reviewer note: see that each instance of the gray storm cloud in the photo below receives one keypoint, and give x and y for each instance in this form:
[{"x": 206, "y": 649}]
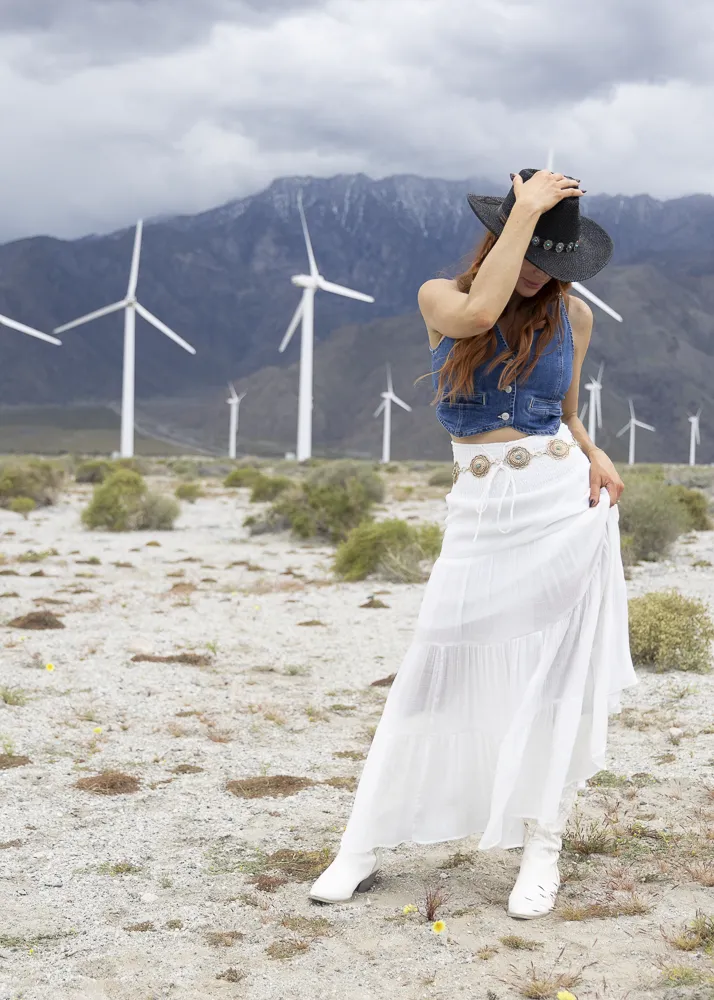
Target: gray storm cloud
[{"x": 114, "y": 108}]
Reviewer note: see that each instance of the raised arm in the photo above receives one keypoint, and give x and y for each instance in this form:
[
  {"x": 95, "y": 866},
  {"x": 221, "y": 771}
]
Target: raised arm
[{"x": 452, "y": 313}]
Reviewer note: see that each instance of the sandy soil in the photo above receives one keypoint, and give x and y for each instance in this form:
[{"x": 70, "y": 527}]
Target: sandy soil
[{"x": 153, "y": 893}]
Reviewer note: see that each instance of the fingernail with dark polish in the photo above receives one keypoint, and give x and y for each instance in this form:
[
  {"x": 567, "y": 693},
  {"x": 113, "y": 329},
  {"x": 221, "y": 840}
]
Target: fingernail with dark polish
[
  {"x": 511, "y": 176},
  {"x": 584, "y": 190},
  {"x": 593, "y": 501}
]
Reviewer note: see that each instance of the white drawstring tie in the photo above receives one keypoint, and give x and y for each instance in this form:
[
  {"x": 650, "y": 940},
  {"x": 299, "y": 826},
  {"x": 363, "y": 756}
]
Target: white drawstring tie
[{"x": 510, "y": 484}]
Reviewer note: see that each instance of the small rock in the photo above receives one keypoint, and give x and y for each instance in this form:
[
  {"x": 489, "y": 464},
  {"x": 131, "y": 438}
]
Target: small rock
[
  {"x": 675, "y": 732},
  {"x": 148, "y": 897}
]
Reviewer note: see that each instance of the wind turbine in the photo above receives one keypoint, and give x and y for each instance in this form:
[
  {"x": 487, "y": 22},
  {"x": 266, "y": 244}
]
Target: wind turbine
[
  {"x": 594, "y": 387},
  {"x": 234, "y": 403},
  {"x": 305, "y": 312},
  {"x": 385, "y": 407},
  {"x": 630, "y": 425},
  {"x": 694, "y": 438},
  {"x": 131, "y": 307},
  {"x": 576, "y": 286},
  {"x": 29, "y": 330}
]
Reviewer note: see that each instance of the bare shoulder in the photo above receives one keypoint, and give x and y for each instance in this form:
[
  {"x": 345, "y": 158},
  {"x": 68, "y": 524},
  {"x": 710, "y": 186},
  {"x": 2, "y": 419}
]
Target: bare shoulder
[
  {"x": 433, "y": 288},
  {"x": 581, "y": 318},
  {"x": 430, "y": 297}
]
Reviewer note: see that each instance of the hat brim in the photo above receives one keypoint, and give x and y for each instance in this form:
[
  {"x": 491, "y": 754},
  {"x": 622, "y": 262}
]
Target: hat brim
[{"x": 593, "y": 253}]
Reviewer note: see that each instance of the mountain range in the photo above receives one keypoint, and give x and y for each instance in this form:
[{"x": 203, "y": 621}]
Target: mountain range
[{"x": 221, "y": 279}]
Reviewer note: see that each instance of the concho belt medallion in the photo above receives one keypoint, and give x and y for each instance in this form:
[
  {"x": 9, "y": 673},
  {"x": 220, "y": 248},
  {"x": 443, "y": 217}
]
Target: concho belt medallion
[
  {"x": 558, "y": 448},
  {"x": 518, "y": 458},
  {"x": 479, "y": 465},
  {"x": 455, "y": 473}
]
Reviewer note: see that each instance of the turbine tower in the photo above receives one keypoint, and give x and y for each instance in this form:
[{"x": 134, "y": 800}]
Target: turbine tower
[
  {"x": 576, "y": 286},
  {"x": 594, "y": 387},
  {"x": 131, "y": 307},
  {"x": 630, "y": 425},
  {"x": 234, "y": 403},
  {"x": 305, "y": 313},
  {"x": 385, "y": 407},
  {"x": 694, "y": 438}
]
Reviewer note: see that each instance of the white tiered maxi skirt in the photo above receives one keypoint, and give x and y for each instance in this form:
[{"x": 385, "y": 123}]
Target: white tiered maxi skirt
[{"x": 520, "y": 654}]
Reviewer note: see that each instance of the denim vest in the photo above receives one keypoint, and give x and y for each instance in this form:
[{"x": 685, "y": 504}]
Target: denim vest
[{"x": 532, "y": 407}]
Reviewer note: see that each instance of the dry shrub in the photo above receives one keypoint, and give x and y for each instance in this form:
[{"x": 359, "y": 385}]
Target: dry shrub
[
  {"x": 244, "y": 475},
  {"x": 189, "y": 491},
  {"x": 123, "y": 503},
  {"x": 94, "y": 470},
  {"x": 696, "y": 507},
  {"x": 146, "y": 925},
  {"x": 37, "y": 479},
  {"x": 284, "y": 949},
  {"x": 265, "y": 786},
  {"x": 651, "y": 518},
  {"x": 308, "y": 927},
  {"x": 231, "y": 975},
  {"x": 392, "y": 549},
  {"x": 435, "y": 896},
  {"x": 22, "y": 505},
  {"x": 671, "y": 632},
  {"x": 268, "y": 883},
  {"x": 109, "y": 783},
  {"x": 696, "y": 935},
  {"x": 186, "y": 769},
  {"x": 36, "y": 620},
  {"x": 223, "y": 939},
  {"x": 347, "y": 782},
  {"x": 443, "y": 476},
  {"x": 267, "y": 488},
  {"x": 300, "y": 866}
]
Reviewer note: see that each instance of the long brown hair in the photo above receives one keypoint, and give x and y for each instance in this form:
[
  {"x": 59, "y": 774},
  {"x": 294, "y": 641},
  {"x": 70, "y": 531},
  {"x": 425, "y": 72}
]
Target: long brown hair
[{"x": 469, "y": 353}]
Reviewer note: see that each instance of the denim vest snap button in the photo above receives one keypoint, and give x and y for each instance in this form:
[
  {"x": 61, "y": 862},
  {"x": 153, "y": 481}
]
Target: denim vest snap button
[
  {"x": 505, "y": 416},
  {"x": 508, "y": 388}
]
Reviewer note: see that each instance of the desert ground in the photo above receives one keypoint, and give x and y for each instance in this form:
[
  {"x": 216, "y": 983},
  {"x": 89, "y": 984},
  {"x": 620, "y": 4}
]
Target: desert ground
[{"x": 185, "y": 886}]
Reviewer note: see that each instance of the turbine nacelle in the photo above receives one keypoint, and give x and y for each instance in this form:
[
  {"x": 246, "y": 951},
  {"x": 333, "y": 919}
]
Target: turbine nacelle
[{"x": 304, "y": 281}]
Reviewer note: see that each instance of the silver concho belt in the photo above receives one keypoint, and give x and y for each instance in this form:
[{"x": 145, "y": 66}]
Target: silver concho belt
[{"x": 517, "y": 457}]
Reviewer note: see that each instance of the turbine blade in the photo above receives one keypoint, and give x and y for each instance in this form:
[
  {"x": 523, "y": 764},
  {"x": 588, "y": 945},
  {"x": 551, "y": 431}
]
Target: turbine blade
[
  {"x": 598, "y": 302},
  {"x": 232, "y": 389},
  {"x": 584, "y": 410},
  {"x": 241, "y": 396},
  {"x": 163, "y": 328},
  {"x": 349, "y": 293},
  {"x": 598, "y": 408},
  {"x": 297, "y": 316},
  {"x": 647, "y": 427},
  {"x": 632, "y": 409},
  {"x": 623, "y": 429},
  {"x": 600, "y": 370},
  {"x": 115, "y": 307},
  {"x": 380, "y": 408},
  {"x": 134, "y": 272},
  {"x": 400, "y": 402},
  {"x": 310, "y": 255},
  {"x": 390, "y": 386},
  {"x": 29, "y": 330}
]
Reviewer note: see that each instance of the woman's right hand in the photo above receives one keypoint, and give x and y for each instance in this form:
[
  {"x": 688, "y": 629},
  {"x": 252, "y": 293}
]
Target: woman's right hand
[{"x": 544, "y": 190}]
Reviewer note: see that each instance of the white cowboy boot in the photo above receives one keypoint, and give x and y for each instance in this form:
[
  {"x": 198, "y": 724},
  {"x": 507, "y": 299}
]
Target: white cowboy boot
[
  {"x": 538, "y": 880},
  {"x": 348, "y": 873}
]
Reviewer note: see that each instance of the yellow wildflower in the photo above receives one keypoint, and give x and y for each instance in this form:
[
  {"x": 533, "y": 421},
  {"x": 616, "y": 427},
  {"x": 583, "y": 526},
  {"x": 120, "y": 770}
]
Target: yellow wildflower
[
  {"x": 565, "y": 995},
  {"x": 97, "y": 729},
  {"x": 50, "y": 667},
  {"x": 409, "y": 908},
  {"x": 438, "y": 926}
]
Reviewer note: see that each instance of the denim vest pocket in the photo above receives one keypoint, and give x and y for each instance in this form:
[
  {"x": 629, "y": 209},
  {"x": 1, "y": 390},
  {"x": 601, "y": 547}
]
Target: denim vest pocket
[
  {"x": 545, "y": 407},
  {"x": 463, "y": 414}
]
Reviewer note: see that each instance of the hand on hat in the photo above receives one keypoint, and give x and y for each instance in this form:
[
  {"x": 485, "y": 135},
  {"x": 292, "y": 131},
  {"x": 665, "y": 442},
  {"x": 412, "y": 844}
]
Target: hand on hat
[{"x": 544, "y": 190}]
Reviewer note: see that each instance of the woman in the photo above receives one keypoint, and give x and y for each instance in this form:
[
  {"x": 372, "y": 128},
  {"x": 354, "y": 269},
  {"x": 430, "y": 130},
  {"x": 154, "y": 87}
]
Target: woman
[{"x": 499, "y": 711}]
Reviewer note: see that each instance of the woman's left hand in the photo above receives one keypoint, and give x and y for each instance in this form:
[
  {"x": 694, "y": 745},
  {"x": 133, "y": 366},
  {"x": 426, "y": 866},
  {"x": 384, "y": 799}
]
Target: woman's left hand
[{"x": 604, "y": 473}]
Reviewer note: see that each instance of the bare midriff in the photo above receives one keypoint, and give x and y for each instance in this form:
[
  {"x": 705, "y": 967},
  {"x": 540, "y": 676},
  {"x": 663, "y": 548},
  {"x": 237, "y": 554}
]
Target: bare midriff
[{"x": 499, "y": 434}]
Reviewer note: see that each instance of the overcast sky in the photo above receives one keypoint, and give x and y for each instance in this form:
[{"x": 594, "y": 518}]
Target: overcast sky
[{"x": 115, "y": 108}]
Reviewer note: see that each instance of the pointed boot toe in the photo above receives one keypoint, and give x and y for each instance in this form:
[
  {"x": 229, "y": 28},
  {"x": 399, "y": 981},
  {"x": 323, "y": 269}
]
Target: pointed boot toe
[
  {"x": 535, "y": 892},
  {"x": 348, "y": 873}
]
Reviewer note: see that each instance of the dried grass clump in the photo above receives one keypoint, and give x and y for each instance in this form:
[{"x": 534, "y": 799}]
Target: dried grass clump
[
  {"x": 188, "y": 659},
  {"x": 123, "y": 503},
  {"x": 300, "y": 866},
  {"x": 36, "y": 620},
  {"x": 37, "y": 479},
  {"x": 268, "y": 786},
  {"x": 671, "y": 632},
  {"x": 8, "y": 760},
  {"x": 109, "y": 783},
  {"x": 392, "y": 549},
  {"x": 698, "y": 935}
]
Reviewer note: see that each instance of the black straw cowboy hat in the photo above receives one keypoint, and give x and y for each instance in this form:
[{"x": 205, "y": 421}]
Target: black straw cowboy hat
[{"x": 565, "y": 244}]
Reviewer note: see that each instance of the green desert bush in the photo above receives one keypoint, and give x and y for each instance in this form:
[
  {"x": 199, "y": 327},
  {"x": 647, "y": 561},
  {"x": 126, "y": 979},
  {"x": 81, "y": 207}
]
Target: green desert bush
[
  {"x": 184, "y": 467},
  {"x": 332, "y": 500},
  {"x": 35, "y": 478},
  {"x": 94, "y": 470},
  {"x": 652, "y": 516},
  {"x": 22, "y": 505},
  {"x": 443, "y": 476},
  {"x": 244, "y": 475},
  {"x": 267, "y": 488},
  {"x": 670, "y": 631},
  {"x": 392, "y": 549},
  {"x": 123, "y": 503},
  {"x": 695, "y": 504},
  {"x": 189, "y": 491}
]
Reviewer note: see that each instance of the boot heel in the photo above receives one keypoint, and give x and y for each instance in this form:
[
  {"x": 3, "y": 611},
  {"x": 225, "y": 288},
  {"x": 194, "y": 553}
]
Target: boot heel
[{"x": 366, "y": 883}]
